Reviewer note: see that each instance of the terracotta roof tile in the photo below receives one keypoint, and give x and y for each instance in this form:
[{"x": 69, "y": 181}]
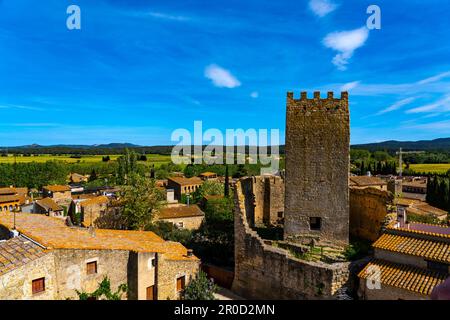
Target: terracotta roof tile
[
  {"x": 54, "y": 234},
  {"x": 49, "y": 204},
  {"x": 366, "y": 181},
  {"x": 18, "y": 251},
  {"x": 57, "y": 188},
  {"x": 428, "y": 249},
  {"x": 186, "y": 181},
  {"x": 404, "y": 276},
  {"x": 180, "y": 212},
  {"x": 95, "y": 200}
]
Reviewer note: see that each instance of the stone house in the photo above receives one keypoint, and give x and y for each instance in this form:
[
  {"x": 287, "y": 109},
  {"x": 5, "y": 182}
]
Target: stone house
[
  {"x": 92, "y": 209},
  {"x": 60, "y": 194},
  {"x": 48, "y": 207},
  {"x": 182, "y": 185},
  {"x": 208, "y": 176},
  {"x": 183, "y": 216},
  {"x": 368, "y": 181},
  {"x": 410, "y": 259},
  {"x": 13, "y": 198},
  {"x": 77, "y": 178},
  {"x": 46, "y": 259}
]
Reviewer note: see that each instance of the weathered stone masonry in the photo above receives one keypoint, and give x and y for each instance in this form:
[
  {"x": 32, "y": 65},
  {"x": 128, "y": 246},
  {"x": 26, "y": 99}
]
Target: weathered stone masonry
[
  {"x": 317, "y": 168},
  {"x": 263, "y": 271}
]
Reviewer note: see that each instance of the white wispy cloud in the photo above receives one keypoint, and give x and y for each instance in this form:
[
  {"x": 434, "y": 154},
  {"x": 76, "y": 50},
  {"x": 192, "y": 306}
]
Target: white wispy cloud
[
  {"x": 254, "y": 94},
  {"x": 21, "y": 107},
  {"x": 441, "y": 105},
  {"x": 221, "y": 77},
  {"x": 322, "y": 7},
  {"x": 397, "y": 105},
  {"x": 435, "y": 78},
  {"x": 159, "y": 15},
  {"x": 349, "y": 86},
  {"x": 345, "y": 42}
]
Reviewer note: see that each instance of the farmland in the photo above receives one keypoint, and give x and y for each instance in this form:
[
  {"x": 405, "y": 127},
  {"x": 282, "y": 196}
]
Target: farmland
[
  {"x": 430, "y": 167},
  {"x": 155, "y": 159}
]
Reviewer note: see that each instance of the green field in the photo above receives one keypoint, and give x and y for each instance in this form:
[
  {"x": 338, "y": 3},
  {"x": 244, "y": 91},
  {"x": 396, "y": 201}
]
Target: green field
[
  {"x": 430, "y": 167},
  {"x": 155, "y": 159}
]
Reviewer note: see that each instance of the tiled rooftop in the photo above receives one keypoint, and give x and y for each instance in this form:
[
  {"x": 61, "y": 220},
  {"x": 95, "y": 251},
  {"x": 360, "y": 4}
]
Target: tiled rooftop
[
  {"x": 428, "y": 249},
  {"x": 53, "y": 233},
  {"x": 404, "y": 277},
  {"x": 95, "y": 200},
  {"x": 18, "y": 251},
  {"x": 366, "y": 181},
  {"x": 418, "y": 229},
  {"x": 49, "y": 204},
  {"x": 186, "y": 181},
  {"x": 57, "y": 188},
  {"x": 180, "y": 212}
]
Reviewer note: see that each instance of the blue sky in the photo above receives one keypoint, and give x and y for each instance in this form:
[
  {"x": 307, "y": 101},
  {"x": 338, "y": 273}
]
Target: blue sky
[{"x": 137, "y": 70}]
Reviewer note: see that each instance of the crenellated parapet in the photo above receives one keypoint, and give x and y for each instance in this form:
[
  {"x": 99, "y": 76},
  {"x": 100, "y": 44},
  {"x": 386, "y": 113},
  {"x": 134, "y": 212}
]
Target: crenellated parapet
[{"x": 317, "y": 103}]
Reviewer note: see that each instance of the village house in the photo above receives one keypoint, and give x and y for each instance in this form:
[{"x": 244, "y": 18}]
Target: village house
[
  {"x": 410, "y": 259},
  {"x": 415, "y": 185},
  {"x": 48, "y": 207},
  {"x": 421, "y": 208},
  {"x": 77, "y": 178},
  {"x": 43, "y": 258},
  {"x": 183, "y": 216},
  {"x": 182, "y": 186},
  {"x": 208, "y": 176},
  {"x": 92, "y": 209},
  {"x": 368, "y": 181},
  {"x": 13, "y": 198},
  {"x": 60, "y": 194}
]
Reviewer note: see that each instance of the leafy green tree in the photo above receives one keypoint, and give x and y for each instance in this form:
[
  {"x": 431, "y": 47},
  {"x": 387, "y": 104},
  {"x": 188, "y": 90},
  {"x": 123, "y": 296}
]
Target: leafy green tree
[
  {"x": 140, "y": 198},
  {"x": 210, "y": 188},
  {"x": 104, "y": 292},
  {"x": 200, "y": 288},
  {"x": 93, "y": 176}
]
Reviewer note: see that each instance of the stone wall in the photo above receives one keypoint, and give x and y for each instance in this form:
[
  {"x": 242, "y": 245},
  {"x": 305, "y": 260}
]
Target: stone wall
[
  {"x": 167, "y": 273},
  {"x": 368, "y": 210},
  {"x": 17, "y": 284},
  {"x": 317, "y": 168},
  {"x": 267, "y": 194},
  {"x": 70, "y": 266},
  {"x": 190, "y": 223},
  {"x": 263, "y": 271}
]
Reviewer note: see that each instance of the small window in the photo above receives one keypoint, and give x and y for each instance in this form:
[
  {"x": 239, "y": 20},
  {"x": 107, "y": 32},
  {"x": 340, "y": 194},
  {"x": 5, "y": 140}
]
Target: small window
[
  {"x": 180, "y": 283},
  {"x": 315, "y": 223},
  {"x": 91, "y": 267},
  {"x": 280, "y": 214},
  {"x": 38, "y": 285},
  {"x": 180, "y": 224}
]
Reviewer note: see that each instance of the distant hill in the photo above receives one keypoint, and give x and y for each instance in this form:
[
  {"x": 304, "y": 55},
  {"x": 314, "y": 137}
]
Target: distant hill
[{"x": 441, "y": 144}]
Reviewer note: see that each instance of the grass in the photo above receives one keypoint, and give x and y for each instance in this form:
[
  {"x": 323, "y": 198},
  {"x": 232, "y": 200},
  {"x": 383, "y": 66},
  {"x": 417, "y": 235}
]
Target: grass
[{"x": 430, "y": 167}]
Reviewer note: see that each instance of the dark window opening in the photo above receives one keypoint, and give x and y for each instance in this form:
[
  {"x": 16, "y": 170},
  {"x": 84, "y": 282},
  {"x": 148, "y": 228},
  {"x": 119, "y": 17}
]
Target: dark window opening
[
  {"x": 280, "y": 214},
  {"x": 315, "y": 223}
]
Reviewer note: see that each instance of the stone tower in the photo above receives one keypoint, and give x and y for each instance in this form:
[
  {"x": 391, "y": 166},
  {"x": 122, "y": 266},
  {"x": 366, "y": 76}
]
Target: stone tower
[{"x": 317, "y": 169}]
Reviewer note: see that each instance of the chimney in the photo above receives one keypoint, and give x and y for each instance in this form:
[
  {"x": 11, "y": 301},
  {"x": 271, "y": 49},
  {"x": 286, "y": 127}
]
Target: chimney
[{"x": 190, "y": 252}]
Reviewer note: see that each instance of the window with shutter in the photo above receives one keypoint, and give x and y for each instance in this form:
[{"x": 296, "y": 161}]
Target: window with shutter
[
  {"x": 180, "y": 283},
  {"x": 38, "y": 285},
  {"x": 91, "y": 267}
]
